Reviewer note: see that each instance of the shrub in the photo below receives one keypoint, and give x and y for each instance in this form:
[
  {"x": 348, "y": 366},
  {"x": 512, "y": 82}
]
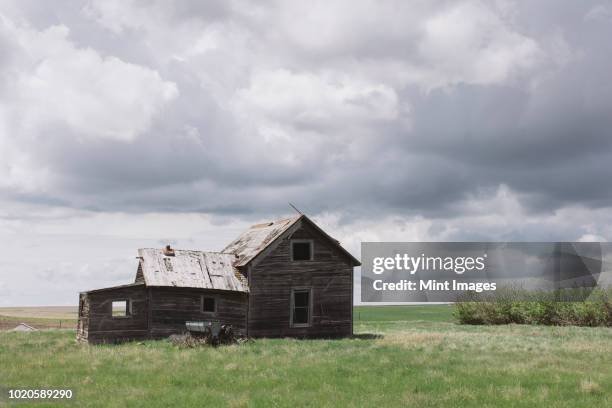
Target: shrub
[
  {"x": 468, "y": 313},
  {"x": 577, "y": 307}
]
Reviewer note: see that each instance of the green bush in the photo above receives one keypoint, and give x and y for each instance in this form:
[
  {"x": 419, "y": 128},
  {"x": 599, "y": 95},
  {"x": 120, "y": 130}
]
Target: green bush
[
  {"x": 468, "y": 313},
  {"x": 567, "y": 307}
]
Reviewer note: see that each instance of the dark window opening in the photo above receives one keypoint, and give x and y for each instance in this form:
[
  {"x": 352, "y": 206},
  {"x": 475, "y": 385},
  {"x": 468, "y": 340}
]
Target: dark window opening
[
  {"x": 121, "y": 308},
  {"x": 209, "y": 304},
  {"x": 301, "y": 308},
  {"x": 301, "y": 250}
]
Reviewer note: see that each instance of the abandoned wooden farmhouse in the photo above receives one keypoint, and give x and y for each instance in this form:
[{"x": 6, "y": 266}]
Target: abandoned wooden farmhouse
[{"x": 286, "y": 278}]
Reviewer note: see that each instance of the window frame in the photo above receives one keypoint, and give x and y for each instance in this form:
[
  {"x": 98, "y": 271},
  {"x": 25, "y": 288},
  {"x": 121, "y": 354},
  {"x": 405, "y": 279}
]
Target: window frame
[
  {"x": 128, "y": 308},
  {"x": 301, "y": 241},
  {"x": 207, "y": 312},
  {"x": 292, "y": 306}
]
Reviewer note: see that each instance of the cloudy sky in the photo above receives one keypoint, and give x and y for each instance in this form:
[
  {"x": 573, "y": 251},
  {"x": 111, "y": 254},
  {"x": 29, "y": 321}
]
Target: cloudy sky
[{"x": 127, "y": 124}]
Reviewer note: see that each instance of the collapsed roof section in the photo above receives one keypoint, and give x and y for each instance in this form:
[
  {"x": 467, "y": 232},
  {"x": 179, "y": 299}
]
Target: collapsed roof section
[
  {"x": 257, "y": 238},
  {"x": 254, "y": 240}
]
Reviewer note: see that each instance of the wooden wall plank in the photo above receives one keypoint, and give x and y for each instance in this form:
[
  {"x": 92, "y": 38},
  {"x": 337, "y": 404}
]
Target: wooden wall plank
[{"x": 329, "y": 274}]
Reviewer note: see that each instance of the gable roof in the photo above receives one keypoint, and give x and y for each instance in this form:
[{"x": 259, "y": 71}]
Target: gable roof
[
  {"x": 191, "y": 269},
  {"x": 254, "y": 240},
  {"x": 257, "y": 238}
]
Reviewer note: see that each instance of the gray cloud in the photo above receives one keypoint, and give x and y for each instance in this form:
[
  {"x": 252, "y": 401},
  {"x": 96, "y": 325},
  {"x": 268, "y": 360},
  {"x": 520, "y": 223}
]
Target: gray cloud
[
  {"x": 467, "y": 119},
  {"x": 332, "y": 118}
]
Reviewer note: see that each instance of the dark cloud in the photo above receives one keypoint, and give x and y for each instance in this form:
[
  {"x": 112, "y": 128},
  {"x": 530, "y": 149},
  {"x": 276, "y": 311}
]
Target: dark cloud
[{"x": 395, "y": 119}]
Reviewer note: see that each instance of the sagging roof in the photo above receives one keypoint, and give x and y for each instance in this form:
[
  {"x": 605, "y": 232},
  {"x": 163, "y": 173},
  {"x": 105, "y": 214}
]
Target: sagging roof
[
  {"x": 254, "y": 240},
  {"x": 191, "y": 269},
  {"x": 257, "y": 238}
]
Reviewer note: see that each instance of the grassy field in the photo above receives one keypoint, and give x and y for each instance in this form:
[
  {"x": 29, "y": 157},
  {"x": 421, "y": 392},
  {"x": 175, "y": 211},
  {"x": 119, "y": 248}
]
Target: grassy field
[
  {"x": 413, "y": 356},
  {"x": 44, "y": 312},
  {"x": 41, "y": 317}
]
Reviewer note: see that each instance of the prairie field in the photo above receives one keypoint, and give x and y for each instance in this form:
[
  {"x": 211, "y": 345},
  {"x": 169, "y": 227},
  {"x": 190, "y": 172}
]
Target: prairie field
[
  {"x": 409, "y": 356},
  {"x": 44, "y": 312},
  {"x": 40, "y": 317}
]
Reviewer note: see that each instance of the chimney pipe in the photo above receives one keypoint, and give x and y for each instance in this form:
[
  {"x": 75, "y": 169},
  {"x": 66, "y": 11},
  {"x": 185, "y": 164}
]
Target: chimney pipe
[{"x": 168, "y": 251}]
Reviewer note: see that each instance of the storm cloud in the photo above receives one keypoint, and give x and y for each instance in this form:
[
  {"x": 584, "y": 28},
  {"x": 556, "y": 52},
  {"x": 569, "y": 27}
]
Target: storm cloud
[{"x": 382, "y": 120}]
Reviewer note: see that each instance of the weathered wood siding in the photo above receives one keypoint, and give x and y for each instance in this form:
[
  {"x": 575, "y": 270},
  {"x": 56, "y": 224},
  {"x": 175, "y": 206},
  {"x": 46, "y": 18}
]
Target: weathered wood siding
[
  {"x": 97, "y": 324},
  {"x": 155, "y": 312},
  {"x": 83, "y": 322},
  {"x": 139, "y": 274},
  {"x": 271, "y": 279},
  {"x": 172, "y": 307}
]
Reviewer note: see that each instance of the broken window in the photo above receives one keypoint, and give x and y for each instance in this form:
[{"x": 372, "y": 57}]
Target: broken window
[
  {"x": 301, "y": 307},
  {"x": 209, "y": 304},
  {"x": 121, "y": 308},
  {"x": 301, "y": 250}
]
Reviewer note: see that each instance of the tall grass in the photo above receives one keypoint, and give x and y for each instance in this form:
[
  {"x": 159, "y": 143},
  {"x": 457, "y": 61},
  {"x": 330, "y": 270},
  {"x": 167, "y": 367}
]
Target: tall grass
[
  {"x": 565, "y": 307},
  {"x": 398, "y": 358}
]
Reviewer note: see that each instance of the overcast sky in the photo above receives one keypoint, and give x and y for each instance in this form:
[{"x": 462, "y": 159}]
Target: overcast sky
[{"x": 127, "y": 124}]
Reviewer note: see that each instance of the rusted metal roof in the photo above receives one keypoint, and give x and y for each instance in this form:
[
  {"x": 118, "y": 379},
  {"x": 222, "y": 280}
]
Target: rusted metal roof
[
  {"x": 254, "y": 240},
  {"x": 191, "y": 269}
]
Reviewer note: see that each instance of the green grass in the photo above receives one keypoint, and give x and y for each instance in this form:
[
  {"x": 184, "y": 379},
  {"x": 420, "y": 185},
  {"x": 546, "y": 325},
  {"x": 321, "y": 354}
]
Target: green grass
[
  {"x": 402, "y": 357},
  {"x": 438, "y": 313},
  {"x": 9, "y": 322},
  {"x": 35, "y": 320}
]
